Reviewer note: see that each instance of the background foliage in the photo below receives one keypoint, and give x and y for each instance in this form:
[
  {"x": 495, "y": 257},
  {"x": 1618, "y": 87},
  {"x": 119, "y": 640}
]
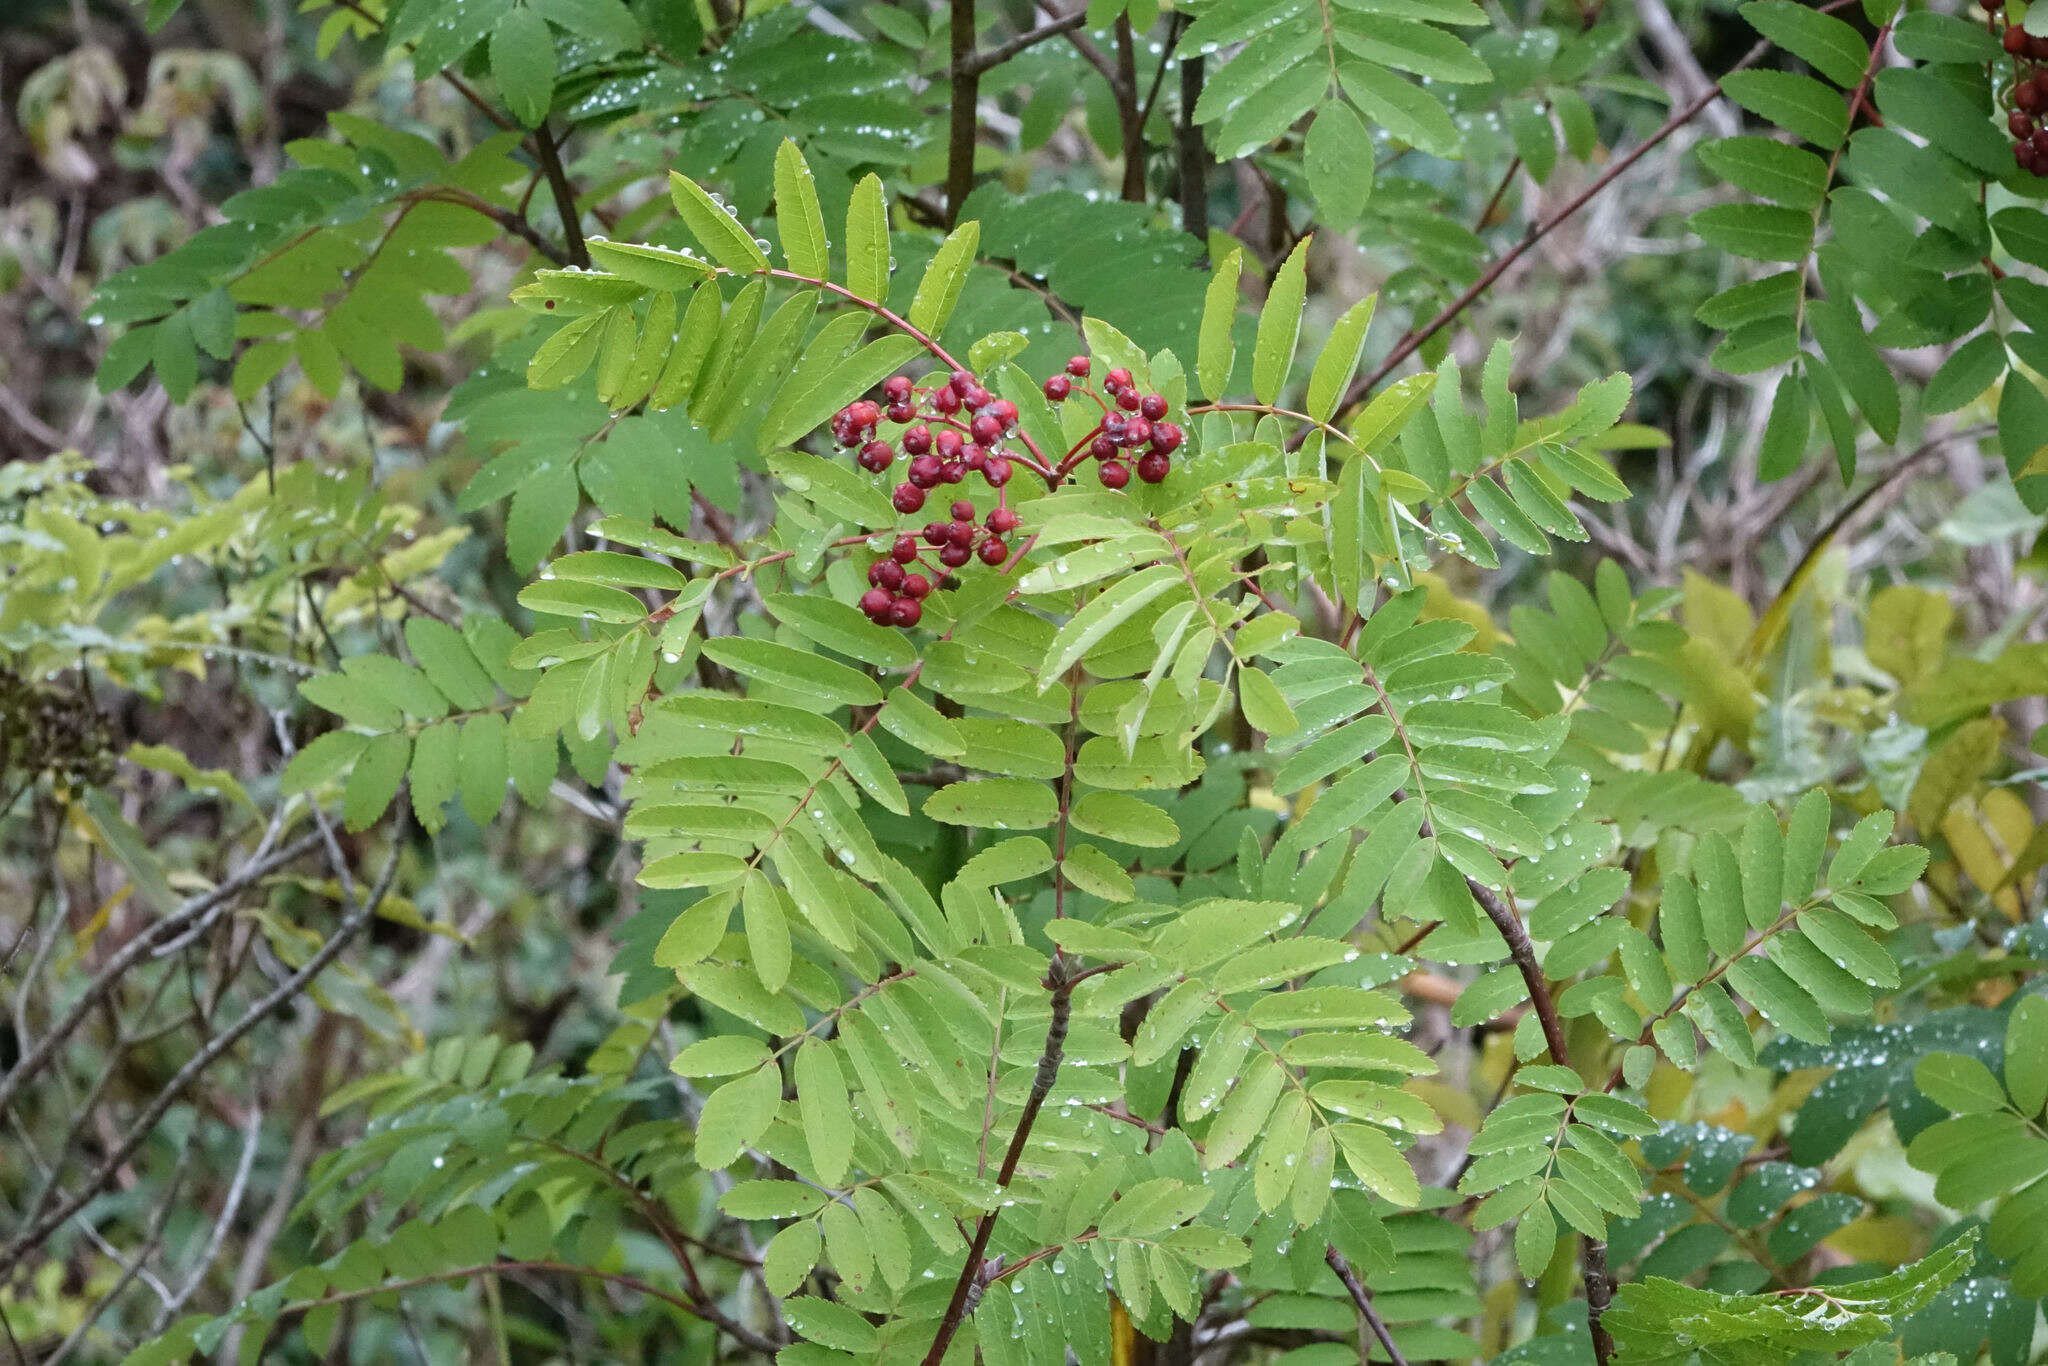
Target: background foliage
[{"x": 1526, "y": 846}]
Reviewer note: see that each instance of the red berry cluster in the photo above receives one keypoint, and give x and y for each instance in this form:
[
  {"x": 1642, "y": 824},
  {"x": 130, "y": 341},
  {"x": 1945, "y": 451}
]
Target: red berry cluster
[
  {"x": 954, "y": 427},
  {"x": 1133, "y": 433},
  {"x": 2027, "y": 100},
  {"x": 950, "y": 429}
]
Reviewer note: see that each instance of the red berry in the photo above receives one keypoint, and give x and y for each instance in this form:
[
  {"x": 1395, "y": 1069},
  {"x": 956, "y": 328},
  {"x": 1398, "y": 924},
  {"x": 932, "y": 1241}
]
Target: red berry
[
  {"x": 986, "y": 427},
  {"x": 998, "y": 471},
  {"x": 909, "y": 498},
  {"x": 905, "y": 549},
  {"x": 935, "y": 533},
  {"x": 953, "y": 556},
  {"x": 1118, "y": 378},
  {"x": 924, "y": 472},
  {"x": 1138, "y": 432},
  {"x": 917, "y": 440},
  {"x": 961, "y": 380},
  {"x": 1153, "y": 406},
  {"x": 946, "y": 401},
  {"x": 1128, "y": 400},
  {"x": 905, "y": 612},
  {"x": 1153, "y": 467},
  {"x": 876, "y": 603},
  {"x": 1004, "y": 412},
  {"x": 864, "y": 413},
  {"x": 974, "y": 396},
  {"x": 2027, "y": 95},
  {"x": 2040, "y": 141},
  {"x": 954, "y": 471},
  {"x": 897, "y": 388},
  {"x": 1058, "y": 387},
  {"x": 1113, "y": 427},
  {"x": 960, "y": 533},
  {"x": 2037, "y": 47},
  {"x": 887, "y": 574},
  {"x": 1102, "y": 447},
  {"x": 1114, "y": 474},
  {"x": 993, "y": 551},
  {"x": 1994, "y": 6},
  {"x": 2015, "y": 39},
  {"x": 973, "y": 456},
  {"x": 1078, "y": 367},
  {"x": 916, "y": 585},
  {"x": 876, "y": 456},
  {"x": 902, "y": 412},
  {"x": 1002, "y": 521},
  {"x": 875, "y": 573},
  {"x": 2019, "y": 125},
  {"x": 963, "y": 511},
  {"x": 1166, "y": 438},
  {"x": 949, "y": 441}
]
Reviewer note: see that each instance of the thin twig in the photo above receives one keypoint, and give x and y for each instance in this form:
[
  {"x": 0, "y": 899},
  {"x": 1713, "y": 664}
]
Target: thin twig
[{"x": 1361, "y": 1298}]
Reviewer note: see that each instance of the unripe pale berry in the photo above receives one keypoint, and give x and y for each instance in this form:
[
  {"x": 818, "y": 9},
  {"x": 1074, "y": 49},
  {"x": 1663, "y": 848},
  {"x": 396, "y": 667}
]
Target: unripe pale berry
[
  {"x": 905, "y": 549},
  {"x": 909, "y": 498},
  {"x": 1153, "y": 467},
  {"x": 1114, "y": 474},
  {"x": 1078, "y": 367},
  {"x": 917, "y": 440},
  {"x": 876, "y": 604},
  {"x": 993, "y": 551},
  {"x": 1002, "y": 521},
  {"x": 953, "y": 556},
  {"x": 1153, "y": 406},
  {"x": 916, "y": 585},
  {"x": 905, "y": 612},
  {"x": 1058, "y": 387}
]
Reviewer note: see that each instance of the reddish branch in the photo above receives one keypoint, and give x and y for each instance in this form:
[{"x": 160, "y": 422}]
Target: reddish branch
[{"x": 1413, "y": 339}]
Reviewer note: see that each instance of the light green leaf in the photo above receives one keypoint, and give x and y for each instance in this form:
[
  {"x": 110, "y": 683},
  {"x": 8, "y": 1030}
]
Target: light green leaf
[
  {"x": 713, "y": 225},
  {"x": 1280, "y": 325}
]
